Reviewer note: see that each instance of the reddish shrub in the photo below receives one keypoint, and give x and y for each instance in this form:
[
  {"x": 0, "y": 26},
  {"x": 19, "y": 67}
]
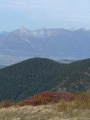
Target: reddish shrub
[
  {"x": 6, "y": 103},
  {"x": 67, "y": 96},
  {"x": 41, "y": 98},
  {"x": 47, "y": 97}
]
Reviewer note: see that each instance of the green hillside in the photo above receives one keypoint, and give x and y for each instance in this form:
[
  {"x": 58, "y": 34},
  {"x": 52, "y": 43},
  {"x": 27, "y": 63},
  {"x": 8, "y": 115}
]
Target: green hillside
[{"x": 40, "y": 74}]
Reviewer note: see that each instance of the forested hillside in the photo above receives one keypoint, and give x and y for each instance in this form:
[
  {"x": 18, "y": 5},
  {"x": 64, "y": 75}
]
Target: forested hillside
[{"x": 40, "y": 74}]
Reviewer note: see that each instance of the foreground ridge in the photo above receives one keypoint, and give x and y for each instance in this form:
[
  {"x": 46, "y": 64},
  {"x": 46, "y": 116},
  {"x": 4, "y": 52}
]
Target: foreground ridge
[{"x": 70, "y": 106}]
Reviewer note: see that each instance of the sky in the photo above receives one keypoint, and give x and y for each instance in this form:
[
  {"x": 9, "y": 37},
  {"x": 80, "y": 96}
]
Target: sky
[{"x": 37, "y": 14}]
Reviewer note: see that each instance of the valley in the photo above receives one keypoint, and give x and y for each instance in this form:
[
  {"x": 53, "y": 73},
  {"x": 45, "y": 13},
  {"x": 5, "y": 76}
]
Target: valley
[{"x": 57, "y": 44}]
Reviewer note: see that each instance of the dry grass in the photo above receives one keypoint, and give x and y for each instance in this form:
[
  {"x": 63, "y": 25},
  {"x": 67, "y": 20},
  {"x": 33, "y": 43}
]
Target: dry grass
[
  {"x": 56, "y": 107},
  {"x": 43, "y": 112}
]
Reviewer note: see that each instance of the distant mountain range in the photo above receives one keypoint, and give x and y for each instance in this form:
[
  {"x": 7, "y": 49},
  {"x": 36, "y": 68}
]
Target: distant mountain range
[
  {"x": 35, "y": 75},
  {"x": 51, "y": 43},
  {"x": 66, "y": 61}
]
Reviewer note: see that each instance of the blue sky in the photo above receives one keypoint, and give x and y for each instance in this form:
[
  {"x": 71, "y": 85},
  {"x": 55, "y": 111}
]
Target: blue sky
[{"x": 35, "y": 14}]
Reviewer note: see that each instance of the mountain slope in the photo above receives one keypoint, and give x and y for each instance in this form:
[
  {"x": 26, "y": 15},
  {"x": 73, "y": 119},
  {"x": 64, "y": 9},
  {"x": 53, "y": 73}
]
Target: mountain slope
[
  {"x": 40, "y": 74},
  {"x": 52, "y": 43}
]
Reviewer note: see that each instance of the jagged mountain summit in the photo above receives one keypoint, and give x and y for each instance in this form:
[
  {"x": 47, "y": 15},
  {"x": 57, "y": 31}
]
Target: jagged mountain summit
[{"x": 52, "y": 43}]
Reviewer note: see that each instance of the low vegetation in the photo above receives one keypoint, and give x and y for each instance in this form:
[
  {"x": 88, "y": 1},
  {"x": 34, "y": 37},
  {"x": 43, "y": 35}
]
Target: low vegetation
[
  {"x": 66, "y": 100},
  {"x": 46, "y": 98},
  {"x": 48, "y": 106}
]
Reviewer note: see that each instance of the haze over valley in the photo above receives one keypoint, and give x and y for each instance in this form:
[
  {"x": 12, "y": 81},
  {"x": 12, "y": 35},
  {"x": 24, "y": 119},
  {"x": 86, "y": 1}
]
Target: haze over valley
[{"x": 56, "y": 44}]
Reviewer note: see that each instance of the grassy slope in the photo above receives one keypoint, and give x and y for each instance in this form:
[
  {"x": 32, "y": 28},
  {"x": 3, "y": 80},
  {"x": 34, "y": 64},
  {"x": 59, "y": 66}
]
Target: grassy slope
[
  {"x": 39, "y": 74},
  {"x": 74, "y": 109},
  {"x": 43, "y": 112}
]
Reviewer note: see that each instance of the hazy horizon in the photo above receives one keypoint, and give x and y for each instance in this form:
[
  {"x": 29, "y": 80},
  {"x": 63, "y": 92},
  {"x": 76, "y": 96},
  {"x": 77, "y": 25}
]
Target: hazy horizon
[{"x": 44, "y": 28}]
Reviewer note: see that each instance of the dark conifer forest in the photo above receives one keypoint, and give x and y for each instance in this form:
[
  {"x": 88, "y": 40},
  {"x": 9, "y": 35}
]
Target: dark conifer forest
[{"x": 36, "y": 75}]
